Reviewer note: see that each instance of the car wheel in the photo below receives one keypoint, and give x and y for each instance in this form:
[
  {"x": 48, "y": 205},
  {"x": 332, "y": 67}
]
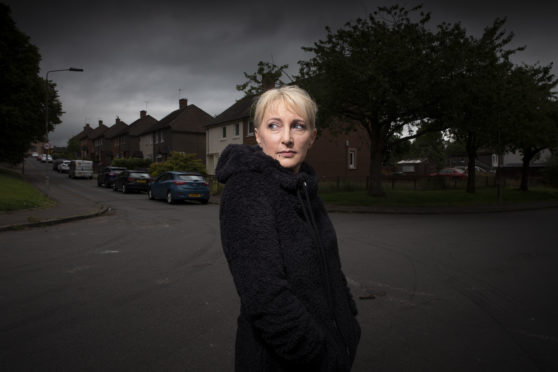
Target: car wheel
[
  {"x": 170, "y": 200},
  {"x": 114, "y": 187},
  {"x": 124, "y": 189},
  {"x": 204, "y": 201},
  {"x": 150, "y": 194}
]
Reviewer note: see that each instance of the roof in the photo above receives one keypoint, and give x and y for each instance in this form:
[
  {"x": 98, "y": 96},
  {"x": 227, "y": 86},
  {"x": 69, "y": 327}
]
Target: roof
[
  {"x": 188, "y": 119},
  {"x": 97, "y": 132},
  {"x": 116, "y": 129},
  {"x": 83, "y": 134},
  {"x": 240, "y": 110},
  {"x": 142, "y": 125}
]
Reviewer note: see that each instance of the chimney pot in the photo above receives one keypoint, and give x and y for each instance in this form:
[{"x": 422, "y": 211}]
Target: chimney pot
[
  {"x": 143, "y": 113},
  {"x": 100, "y": 122},
  {"x": 182, "y": 102}
]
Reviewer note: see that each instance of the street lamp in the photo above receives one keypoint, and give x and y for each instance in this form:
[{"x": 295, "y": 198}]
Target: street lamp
[{"x": 73, "y": 69}]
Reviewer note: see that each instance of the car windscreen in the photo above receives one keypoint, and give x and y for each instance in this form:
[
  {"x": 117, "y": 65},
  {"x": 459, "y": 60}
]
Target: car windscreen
[
  {"x": 139, "y": 175},
  {"x": 190, "y": 178}
]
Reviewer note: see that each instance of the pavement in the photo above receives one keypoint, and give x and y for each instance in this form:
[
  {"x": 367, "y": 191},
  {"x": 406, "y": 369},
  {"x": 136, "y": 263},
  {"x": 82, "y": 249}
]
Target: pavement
[{"x": 71, "y": 207}]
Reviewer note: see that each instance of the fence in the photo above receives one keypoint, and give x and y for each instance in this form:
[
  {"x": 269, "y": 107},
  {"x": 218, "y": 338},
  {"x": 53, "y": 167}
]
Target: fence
[{"x": 401, "y": 182}]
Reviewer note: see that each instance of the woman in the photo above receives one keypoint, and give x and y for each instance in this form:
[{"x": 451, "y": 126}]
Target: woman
[{"x": 297, "y": 313}]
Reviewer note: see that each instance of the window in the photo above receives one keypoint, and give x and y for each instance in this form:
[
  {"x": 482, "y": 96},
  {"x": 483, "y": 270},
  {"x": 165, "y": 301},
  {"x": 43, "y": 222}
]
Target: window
[
  {"x": 250, "y": 128},
  {"x": 352, "y": 158},
  {"x": 162, "y": 137},
  {"x": 237, "y": 129},
  {"x": 224, "y": 132}
]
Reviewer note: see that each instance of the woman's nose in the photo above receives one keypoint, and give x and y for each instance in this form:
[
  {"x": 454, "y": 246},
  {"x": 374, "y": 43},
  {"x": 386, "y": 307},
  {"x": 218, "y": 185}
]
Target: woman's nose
[{"x": 286, "y": 136}]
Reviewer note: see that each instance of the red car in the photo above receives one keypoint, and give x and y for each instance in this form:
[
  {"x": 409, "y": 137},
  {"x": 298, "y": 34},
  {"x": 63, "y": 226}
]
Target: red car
[{"x": 450, "y": 172}]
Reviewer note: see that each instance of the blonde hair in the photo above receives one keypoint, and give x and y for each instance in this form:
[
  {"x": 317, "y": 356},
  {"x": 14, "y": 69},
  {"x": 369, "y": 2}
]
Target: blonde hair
[{"x": 293, "y": 97}]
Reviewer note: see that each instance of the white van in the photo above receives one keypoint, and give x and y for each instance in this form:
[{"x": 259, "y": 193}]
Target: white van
[{"x": 81, "y": 169}]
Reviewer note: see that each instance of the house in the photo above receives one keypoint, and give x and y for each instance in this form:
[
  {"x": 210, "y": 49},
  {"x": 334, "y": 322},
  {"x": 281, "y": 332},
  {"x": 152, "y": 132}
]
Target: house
[
  {"x": 182, "y": 130},
  {"x": 81, "y": 139},
  {"x": 94, "y": 142},
  {"x": 127, "y": 144},
  {"x": 346, "y": 155},
  {"x": 109, "y": 147},
  {"x": 234, "y": 125}
]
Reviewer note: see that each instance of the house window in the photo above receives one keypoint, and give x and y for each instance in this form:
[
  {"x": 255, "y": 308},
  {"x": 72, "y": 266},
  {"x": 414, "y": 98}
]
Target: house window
[
  {"x": 237, "y": 129},
  {"x": 224, "y": 132},
  {"x": 250, "y": 128},
  {"x": 352, "y": 158},
  {"x": 162, "y": 137}
]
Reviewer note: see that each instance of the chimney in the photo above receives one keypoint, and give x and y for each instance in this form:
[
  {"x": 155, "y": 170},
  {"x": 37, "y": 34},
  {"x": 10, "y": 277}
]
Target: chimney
[
  {"x": 117, "y": 120},
  {"x": 182, "y": 102},
  {"x": 143, "y": 114},
  {"x": 86, "y": 127},
  {"x": 100, "y": 122}
]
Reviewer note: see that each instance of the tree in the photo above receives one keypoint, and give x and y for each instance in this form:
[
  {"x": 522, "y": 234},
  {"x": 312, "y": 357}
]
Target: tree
[
  {"x": 376, "y": 72},
  {"x": 73, "y": 150},
  {"x": 268, "y": 75},
  {"x": 22, "y": 92},
  {"x": 532, "y": 114},
  {"x": 430, "y": 146},
  {"x": 475, "y": 104}
]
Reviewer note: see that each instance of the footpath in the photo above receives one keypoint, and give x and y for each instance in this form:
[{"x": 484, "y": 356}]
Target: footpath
[{"x": 73, "y": 206}]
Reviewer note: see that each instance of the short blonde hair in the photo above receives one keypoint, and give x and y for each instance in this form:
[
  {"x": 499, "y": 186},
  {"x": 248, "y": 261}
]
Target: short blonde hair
[{"x": 293, "y": 97}]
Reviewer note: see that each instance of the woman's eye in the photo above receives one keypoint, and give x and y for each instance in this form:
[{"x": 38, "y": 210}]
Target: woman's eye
[
  {"x": 299, "y": 126},
  {"x": 273, "y": 125}
]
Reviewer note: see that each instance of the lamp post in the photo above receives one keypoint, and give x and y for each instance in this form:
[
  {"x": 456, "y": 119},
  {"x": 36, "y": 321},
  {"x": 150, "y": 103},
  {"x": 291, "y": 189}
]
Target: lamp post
[{"x": 47, "y": 146}]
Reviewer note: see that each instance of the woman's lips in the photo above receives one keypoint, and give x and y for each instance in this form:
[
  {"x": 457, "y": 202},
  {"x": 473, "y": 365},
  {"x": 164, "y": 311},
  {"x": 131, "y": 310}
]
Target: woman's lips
[{"x": 287, "y": 154}]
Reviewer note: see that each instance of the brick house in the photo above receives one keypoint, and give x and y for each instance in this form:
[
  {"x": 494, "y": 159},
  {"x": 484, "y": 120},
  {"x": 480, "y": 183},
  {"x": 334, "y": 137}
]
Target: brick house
[
  {"x": 126, "y": 142},
  {"x": 81, "y": 139},
  {"x": 346, "y": 155},
  {"x": 94, "y": 142},
  {"x": 109, "y": 147},
  {"x": 182, "y": 130}
]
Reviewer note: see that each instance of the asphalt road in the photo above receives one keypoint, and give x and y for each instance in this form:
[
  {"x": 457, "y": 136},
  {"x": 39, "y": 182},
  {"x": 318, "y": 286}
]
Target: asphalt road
[{"x": 146, "y": 288}]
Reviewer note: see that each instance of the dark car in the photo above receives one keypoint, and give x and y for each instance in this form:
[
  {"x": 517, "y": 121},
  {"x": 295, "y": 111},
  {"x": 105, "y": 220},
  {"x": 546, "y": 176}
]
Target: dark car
[
  {"x": 179, "y": 186},
  {"x": 132, "y": 181},
  {"x": 56, "y": 163},
  {"x": 107, "y": 175},
  {"x": 450, "y": 172}
]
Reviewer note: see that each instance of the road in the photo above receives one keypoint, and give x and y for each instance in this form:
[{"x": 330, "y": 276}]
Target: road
[{"x": 147, "y": 288}]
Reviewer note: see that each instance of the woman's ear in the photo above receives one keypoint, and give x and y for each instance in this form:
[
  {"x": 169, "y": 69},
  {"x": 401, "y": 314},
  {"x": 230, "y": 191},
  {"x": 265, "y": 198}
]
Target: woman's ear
[
  {"x": 313, "y": 137},
  {"x": 257, "y": 134}
]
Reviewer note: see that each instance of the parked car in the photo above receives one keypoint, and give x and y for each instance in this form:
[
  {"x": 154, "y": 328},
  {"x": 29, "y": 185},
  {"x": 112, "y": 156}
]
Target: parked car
[
  {"x": 35, "y": 154},
  {"x": 179, "y": 186},
  {"x": 107, "y": 175},
  {"x": 49, "y": 158},
  {"x": 81, "y": 168},
  {"x": 450, "y": 172},
  {"x": 64, "y": 167},
  {"x": 56, "y": 163},
  {"x": 44, "y": 158},
  {"x": 132, "y": 180}
]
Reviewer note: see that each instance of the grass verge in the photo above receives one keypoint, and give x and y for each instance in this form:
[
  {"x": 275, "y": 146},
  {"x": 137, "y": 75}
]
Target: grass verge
[
  {"x": 439, "y": 198},
  {"x": 18, "y": 194}
]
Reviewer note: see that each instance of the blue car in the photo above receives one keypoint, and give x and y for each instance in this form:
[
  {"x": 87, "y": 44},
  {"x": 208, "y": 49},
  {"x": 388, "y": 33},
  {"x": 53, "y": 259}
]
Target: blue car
[{"x": 179, "y": 186}]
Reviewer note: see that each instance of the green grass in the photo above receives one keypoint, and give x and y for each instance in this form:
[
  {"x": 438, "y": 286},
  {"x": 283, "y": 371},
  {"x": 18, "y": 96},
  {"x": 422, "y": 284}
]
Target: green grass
[
  {"x": 483, "y": 196},
  {"x": 17, "y": 194}
]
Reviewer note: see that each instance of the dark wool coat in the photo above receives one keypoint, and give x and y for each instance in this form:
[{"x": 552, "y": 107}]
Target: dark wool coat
[{"x": 297, "y": 313}]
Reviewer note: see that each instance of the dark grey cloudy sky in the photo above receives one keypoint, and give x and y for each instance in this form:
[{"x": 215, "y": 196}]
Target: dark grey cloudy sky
[{"x": 146, "y": 54}]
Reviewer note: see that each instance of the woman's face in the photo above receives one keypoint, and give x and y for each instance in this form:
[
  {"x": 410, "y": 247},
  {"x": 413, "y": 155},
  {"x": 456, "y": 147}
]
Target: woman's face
[{"x": 284, "y": 135}]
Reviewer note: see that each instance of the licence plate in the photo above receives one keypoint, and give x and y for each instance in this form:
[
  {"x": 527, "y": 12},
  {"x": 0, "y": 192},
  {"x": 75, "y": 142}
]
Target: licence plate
[
  {"x": 140, "y": 181},
  {"x": 194, "y": 195}
]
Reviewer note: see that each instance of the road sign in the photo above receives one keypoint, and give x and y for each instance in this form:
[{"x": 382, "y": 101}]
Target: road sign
[{"x": 46, "y": 146}]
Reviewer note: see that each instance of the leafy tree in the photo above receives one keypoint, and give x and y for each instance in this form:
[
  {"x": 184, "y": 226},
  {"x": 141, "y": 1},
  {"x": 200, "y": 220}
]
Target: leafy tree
[
  {"x": 268, "y": 75},
  {"x": 476, "y": 108},
  {"x": 430, "y": 146},
  {"x": 377, "y": 73},
  {"x": 532, "y": 114},
  {"x": 73, "y": 150},
  {"x": 178, "y": 162},
  {"x": 22, "y": 92}
]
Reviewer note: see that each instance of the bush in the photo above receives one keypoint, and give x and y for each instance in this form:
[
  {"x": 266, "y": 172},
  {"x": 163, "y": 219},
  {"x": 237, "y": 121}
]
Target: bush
[
  {"x": 178, "y": 162},
  {"x": 131, "y": 163}
]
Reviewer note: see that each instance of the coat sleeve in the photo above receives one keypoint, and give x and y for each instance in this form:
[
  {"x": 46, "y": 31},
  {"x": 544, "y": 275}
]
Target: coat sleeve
[{"x": 253, "y": 252}]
